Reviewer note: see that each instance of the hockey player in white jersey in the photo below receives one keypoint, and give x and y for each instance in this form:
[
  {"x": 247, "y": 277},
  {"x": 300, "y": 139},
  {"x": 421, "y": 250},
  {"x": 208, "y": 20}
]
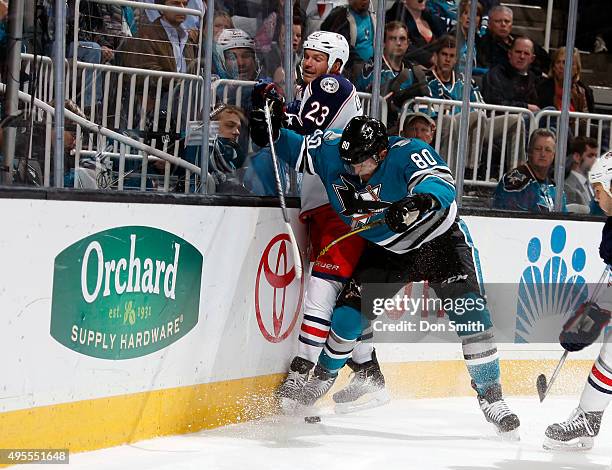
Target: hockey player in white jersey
[
  {"x": 326, "y": 100},
  {"x": 582, "y": 329}
]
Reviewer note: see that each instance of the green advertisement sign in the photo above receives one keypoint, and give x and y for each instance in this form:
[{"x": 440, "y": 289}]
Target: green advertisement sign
[{"x": 125, "y": 292}]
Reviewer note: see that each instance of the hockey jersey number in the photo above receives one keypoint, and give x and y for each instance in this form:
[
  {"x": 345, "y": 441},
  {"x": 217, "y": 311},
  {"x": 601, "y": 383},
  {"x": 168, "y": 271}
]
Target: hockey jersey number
[
  {"x": 317, "y": 113},
  {"x": 424, "y": 159}
]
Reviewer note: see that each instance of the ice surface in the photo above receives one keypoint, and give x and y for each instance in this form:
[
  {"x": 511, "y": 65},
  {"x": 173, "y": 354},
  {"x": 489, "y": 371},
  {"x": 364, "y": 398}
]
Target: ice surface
[{"x": 405, "y": 434}]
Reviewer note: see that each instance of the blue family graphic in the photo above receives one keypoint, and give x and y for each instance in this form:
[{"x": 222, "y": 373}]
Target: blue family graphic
[{"x": 550, "y": 288}]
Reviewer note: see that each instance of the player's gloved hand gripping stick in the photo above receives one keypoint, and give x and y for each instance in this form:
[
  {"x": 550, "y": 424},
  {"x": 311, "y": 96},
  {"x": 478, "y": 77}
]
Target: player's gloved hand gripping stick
[
  {"x": 399, "y": 216},
  {"x": 580, "y": 331},
  {"x": 405, "y": 212}
]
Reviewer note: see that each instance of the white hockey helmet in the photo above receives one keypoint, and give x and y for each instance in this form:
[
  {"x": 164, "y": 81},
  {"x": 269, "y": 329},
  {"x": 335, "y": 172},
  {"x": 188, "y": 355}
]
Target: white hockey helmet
[
  {"x": 601, "y": 171},
  {"x": 234, "y": 39},
  {"x": 333, "y": 44}
]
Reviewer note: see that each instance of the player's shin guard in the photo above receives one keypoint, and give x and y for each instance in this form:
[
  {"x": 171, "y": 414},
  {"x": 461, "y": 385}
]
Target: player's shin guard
[
  {"x": 318, "y": 306},
  {"x": 364, "y": 349},
  {"x": 481, "y": 359},
  {"x": 597, "y": 392},
  {"x": 347, "y": 325}
]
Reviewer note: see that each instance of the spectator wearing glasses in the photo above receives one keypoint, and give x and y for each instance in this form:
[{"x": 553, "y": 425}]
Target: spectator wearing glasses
[{"x": 529, "y": 187}]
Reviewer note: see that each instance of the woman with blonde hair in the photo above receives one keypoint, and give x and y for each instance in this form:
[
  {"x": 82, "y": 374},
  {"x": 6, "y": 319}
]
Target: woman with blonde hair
[{"x": 550, "y": 90}]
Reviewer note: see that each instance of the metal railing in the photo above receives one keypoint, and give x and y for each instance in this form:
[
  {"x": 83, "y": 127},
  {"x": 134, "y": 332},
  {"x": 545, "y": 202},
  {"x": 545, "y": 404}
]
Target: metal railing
[
  {"x": 126, "y": 146},
  {"x": 598, "y": 126},
  {"x": 134, "y": 101},
  {"x": 497, "y": 136}
]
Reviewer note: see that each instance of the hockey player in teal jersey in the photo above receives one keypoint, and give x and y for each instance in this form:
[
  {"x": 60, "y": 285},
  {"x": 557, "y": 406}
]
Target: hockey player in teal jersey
[{"x": 370, "y": 177}]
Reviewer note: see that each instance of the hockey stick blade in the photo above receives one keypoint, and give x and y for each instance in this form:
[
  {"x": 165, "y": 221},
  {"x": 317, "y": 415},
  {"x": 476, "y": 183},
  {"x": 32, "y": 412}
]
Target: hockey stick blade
[
  {"x": 541, "y": 386},
  {"x": 541, "y": 383}
]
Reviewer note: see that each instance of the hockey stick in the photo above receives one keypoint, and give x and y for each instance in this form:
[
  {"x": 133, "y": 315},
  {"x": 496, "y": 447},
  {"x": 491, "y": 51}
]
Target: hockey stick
[
  {"x": 542, "y": 385},
  {"x": 350, "y": 234},
  {"x": 281, "y": 195}
]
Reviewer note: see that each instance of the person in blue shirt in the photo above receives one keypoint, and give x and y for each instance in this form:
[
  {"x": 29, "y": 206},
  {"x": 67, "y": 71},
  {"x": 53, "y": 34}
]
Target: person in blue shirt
[
  {"x": 356, "y": 23},
  {"x": 529, "y": 187},
  {"x": 405, "y": 189},
  {"x": 400, "y": 80}
]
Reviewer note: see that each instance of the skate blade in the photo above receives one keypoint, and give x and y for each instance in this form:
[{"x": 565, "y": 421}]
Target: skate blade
[
  {"x": 365, "y": 402},
  {"x": 509, "y": 436},
  {"x": 574, "y": 445},
  {"x": 287, "y": 405},
  {"x": 305, "y": 411}
]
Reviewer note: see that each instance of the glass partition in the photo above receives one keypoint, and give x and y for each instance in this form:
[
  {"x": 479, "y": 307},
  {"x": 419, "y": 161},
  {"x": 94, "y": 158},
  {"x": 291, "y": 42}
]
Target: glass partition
[{"x": 146, "y": 97}]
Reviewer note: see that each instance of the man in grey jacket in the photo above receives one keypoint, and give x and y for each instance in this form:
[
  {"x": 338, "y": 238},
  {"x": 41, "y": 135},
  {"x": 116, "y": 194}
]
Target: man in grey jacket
[{"x": 577, "y": 188}]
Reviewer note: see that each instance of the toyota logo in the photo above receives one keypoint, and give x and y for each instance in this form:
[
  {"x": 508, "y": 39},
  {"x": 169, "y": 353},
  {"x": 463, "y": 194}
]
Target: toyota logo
[{"x": 276, "y": 279}]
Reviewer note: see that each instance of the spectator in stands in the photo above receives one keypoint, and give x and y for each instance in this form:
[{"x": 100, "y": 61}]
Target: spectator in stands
[
  {"x": 237, "y": 51},
  {"x": 191, "y": 24},
  {"x": 513, "y": 83},
  {"x": 269, "y": 32},
  {"x": 445, "y": 84},
  {"x": 419, "y": 126},
  {"x": 273, "y": 61},
  {"x": 583, "y": 153},
  {"x": 227, "y": 157},
  {"x": 356, "y": 23},
  {"x": 221, "y": 22},
  {"x": 95, "y": 45},
  {"x": 446, "y": 10},
  {"x": 529, "y": 187},
  {"x": 494, "y": 46},
  {"x": 550, "y": 90},
  {"x": 464, "y": 24},
  {"x": 423, "y": 27},
  {"x": 164, "y": 44},
  {"x": 400, "y": 79}
]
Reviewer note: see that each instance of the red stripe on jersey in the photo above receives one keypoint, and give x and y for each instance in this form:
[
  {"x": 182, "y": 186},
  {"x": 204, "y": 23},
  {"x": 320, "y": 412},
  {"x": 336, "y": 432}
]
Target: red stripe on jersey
[
  {"x": 600, "y": 376},
  {"x": 311, "y": 330}
]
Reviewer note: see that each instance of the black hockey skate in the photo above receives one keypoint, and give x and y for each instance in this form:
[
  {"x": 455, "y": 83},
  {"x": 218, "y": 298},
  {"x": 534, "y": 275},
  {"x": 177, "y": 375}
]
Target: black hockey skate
[
  {"x": 318, "y": 385},
  {"x": 576, "y": 433},
  {"x": 496, "y": 411},
  {"x": 297, "y": 377},
  {"x": 366, "y": 389}
]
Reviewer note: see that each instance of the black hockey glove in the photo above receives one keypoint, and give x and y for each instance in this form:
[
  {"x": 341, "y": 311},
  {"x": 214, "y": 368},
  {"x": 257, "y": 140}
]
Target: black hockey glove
[
  {"x": 266, "y": 93},
  {"x": 403, "y": 213},
  {"x": 583, "y": 327}
]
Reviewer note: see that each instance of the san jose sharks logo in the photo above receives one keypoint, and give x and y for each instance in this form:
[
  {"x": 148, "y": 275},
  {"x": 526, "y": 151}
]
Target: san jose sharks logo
[{"x": 359, "y": 204}]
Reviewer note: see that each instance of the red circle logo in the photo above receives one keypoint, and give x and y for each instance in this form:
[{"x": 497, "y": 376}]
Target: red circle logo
[{"x": 276, "y": 280}]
